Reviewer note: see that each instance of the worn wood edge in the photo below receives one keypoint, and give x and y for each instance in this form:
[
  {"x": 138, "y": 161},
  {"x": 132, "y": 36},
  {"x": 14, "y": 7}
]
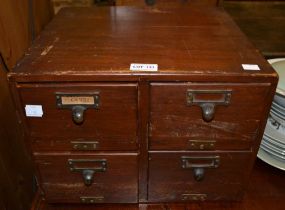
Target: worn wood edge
[
  {"x": 37, "y": 202},
  {"x": 143, "y": 116}
]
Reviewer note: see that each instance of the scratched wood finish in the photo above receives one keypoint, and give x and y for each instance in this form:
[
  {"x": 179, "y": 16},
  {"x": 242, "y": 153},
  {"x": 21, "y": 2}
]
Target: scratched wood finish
[
  {"x": 118, "y": 103},
  {"x": 184, "y": 46},
  {"x": 255, "y": 198},
  {"x": 168, "y": 181},
  {"x": 202, "y": 53},
  {"x": 235, "y": 126},
  {"x": 118, "y": 184}
]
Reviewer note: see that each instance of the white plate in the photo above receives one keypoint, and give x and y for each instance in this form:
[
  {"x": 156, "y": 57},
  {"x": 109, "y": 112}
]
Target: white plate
[
  {"x": 277, "y": 150},
  {"x": 276, "y": 116},
  {"x": 279, "y": 65},
  {"x": 273, "y": 153},
  {"x": 278, "y": 107},
  {"x": 275, "y": 131},
  {"x": 273, "y": 142},
  {"x": 267, "y": 158}
]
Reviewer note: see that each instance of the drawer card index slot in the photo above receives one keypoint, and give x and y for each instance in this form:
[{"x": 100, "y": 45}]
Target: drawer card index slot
[
  {"x": 78, "y": 103},
  {"x": 83, "y": 166},
  {"x": 208, "y": 100},
  {"x": 198, "y": 164}
]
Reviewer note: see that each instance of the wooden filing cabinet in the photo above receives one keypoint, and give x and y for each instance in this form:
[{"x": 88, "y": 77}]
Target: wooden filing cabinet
[{"x": 99, "y": 132}]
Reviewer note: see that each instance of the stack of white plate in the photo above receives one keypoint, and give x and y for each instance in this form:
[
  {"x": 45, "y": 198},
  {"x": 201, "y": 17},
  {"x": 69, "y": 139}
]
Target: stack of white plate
[{"x": 272, "y": 148}]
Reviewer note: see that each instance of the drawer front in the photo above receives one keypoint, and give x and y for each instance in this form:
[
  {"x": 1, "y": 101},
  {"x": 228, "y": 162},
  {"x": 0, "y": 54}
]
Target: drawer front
[
  {"x": 111, "y": 119},
  {"x": 197, "y": 176},
  {"x": 179, "y": 112},
  {"x": 86, "y": 144},
  {"x": 89, "y": 178}
]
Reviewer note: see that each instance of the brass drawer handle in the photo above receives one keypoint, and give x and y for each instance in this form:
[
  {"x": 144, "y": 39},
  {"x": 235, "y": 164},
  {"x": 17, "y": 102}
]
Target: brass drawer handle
[
  {"x": 199, "y": 168},
  {"x": 88, "y": 172},
  {"x": 78, "y": 103},
  {"x": 208, "y": 105}
]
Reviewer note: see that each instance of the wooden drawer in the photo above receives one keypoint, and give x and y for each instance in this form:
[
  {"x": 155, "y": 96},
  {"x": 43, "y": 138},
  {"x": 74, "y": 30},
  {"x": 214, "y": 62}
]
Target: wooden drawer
[
  {"x": 171, "y": 179},
  {"x": 61, "y": 178},
  {"x": 176, "y": 115},
  {"x": 113, "y": 121},
  {"x": 49, "y": 144}
]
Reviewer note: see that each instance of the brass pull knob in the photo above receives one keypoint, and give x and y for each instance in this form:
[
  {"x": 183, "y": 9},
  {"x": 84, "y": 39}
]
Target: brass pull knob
[
  {"x": 208, "y": 110},
  {"x": 98, "y": 165},
  {"x": 200, "y": 98},
  {"x": 198, "y": 174},
  {"x": 189, "y": 162},
  {"x": 78, "y": 114},
  {"x": 88, "y": 176}
]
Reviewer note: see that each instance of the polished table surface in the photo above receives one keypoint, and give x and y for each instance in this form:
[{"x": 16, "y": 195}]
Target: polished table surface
[{"x": 266, "y": 191}]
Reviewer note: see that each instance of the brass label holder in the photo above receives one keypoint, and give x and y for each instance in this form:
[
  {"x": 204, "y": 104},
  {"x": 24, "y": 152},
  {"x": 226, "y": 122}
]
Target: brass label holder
[
  {"x": 100, "y": 165},
  {"x": 199, "y": 163},
  {"x": 78, "y": 103},
  {"x": 208, "y": 105}
]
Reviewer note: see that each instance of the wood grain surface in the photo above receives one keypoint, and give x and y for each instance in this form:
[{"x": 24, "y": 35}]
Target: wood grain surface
[
  {"x": 192, "y": 54},
  {"x": 16, "y": 173},
  {"x": 266, "y": 190},
  {"x": 172, "y": 37}
]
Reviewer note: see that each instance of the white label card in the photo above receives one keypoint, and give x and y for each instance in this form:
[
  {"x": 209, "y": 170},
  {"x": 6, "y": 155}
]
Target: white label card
[
  {"x": 250, "y": 67},
  {"x": 143, "y": 67},
  {"x": 34, "y": 110}
]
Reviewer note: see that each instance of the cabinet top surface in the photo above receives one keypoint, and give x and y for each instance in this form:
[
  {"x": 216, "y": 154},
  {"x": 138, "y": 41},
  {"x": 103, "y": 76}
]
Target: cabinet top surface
[{"x": 185, "y": 40}]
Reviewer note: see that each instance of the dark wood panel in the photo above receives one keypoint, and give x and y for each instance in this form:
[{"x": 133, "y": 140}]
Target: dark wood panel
[
  {"x": 16, "y": 39},
  {"x": 266, "y": 190},
  {"x": 210, "y": 44},
  {"x": 115, "y": 118},
  {"x": 42, "y": 15},
  {"x": 235, "y": 126},
  {"x": 16, "y": 176},
  {"x": 169, "y": 181},
  {"x": 263, "y": 22},
  {"x": 16, "y": 185},
  {"x": 118, "y": 184}
]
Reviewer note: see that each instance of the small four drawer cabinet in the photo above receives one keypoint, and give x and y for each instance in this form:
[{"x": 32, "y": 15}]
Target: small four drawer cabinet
[{"x": 142, "y": 105}]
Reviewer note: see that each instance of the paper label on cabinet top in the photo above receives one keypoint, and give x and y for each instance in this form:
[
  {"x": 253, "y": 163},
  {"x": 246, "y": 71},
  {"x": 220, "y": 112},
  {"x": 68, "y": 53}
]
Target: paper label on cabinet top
[
  {"x": 143, "y": 67},
  {"x": 34, "y": 110},
  {"x": 250, "y": 67}
]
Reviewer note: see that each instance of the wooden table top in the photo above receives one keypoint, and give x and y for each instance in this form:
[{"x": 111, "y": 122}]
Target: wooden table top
[{"x": 186, "y": 40}]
